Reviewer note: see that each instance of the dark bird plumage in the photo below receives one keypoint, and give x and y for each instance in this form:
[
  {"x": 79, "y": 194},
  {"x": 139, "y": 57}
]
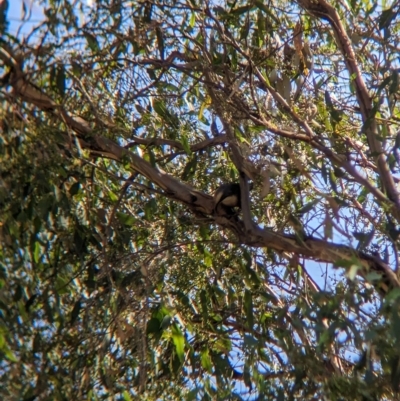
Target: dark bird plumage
[{"x": 226, "y": 197}]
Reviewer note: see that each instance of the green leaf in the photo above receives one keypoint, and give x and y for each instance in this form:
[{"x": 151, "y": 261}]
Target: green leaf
[
  {"x": 309, "y": 206},
  {"x": 126, "y": 219},
  {"x": 153, "y": 326},
  {"x": 245, "y": 29},
  {"x": 44, "y": 205},
  {"x": 248, "y": 304},
  {"x": 204, "y": 303},
  {"x": 332, "y": 180},
  {"x": 151, "y": 73},
  {"x": 160, "y": 42},
  {"x": 36, "y": 252},
  {"x": 75, "y": 312},
  {"x": 362, "y": 197},
  {"x": 192, "y": 20},
  {"x": 325, "y": 338},
  {"x": 185, "y": 143},
  {"x": 263, "y": 7},
  {"x": 30, "y": 302},
  {"x": 113, "y": 197},
  {"x": 60, "y": 80},
  {"x": 10, "y": 355},
  {"x": 18, "y": 293},
  {"x": 261, "y": 23},
  {"x": 392, "y": 295},
  {"x": 352, "y": 272},
  {"x": 247, "y": 375},
  {"x": 179, "y": 341},
  {"x": 241, "y": 10},
  {"x": 166, "y": 322},
  {"x": 92, "y": 42},
  {"x": 150, "y": 209},
  {"x": 74, "y": 188},
  {"x": 396, "y": 324},
  {"x": 373, "y": 277},
  {"x": 62, "y": 284},
  {"x": 206, "y": 362},
  {"x": 394, "y": 85},
  {"x": 386, "y": 18},
  {"x": 161, "y": 109},
  {"x": 192, "y": 394}
]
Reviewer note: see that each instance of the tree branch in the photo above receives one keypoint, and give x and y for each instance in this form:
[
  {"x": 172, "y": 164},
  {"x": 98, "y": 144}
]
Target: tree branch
[
  {"x": 323, "y": 10},
  {"x": 253, "y": 235}
]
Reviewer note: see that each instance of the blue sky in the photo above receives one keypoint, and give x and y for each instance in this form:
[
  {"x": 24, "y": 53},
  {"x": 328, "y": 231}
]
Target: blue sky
[{"x": 33, "y": 16}]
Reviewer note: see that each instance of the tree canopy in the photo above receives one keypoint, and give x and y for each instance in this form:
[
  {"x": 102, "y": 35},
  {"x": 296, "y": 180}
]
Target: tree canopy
[{"x": 119, "y": 280}]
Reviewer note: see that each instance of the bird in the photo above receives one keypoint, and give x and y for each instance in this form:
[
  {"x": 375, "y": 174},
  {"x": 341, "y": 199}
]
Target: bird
[{"x": 226, "y": 198}]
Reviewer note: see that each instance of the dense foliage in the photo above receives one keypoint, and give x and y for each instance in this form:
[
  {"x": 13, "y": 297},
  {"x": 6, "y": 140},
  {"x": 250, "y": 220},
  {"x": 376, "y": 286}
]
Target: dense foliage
[{"x": 119, "y": 281}]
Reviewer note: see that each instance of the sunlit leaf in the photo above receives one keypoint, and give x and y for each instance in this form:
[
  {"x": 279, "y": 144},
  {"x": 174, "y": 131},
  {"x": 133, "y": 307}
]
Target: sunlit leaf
[
  {"x": 206, "y": 361},
  {"x": 179, "y": 341}
]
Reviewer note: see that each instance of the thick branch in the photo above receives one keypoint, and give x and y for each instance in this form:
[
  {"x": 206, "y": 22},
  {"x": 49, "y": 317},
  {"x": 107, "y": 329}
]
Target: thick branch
[{"x": 324, "y": 251}]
